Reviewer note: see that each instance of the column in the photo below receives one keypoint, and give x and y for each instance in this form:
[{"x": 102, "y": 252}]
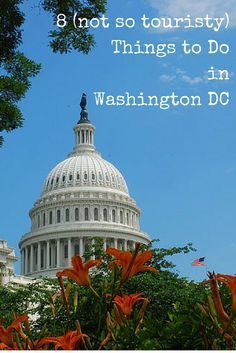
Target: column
[
  {"x": 39, "y": 256},
  {"x": 58, "y": 252},
  {"x": 47, "y": 255},
  {"x": 69, "y": 252},
  {"x": 22, "y": 262},
  {"x": 31, "y": 257},
  {"x": 115, "y": 243},
  {"x": 26, "y": 259},
  {"x": 81, "y": 249},
  {"x": 125, "y": 245}
]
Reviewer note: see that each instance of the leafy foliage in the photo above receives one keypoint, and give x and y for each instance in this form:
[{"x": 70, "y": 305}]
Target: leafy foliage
[
  {"x": 179, "y": 314},
  {"x": 17, "y": 70},
  {"x": 67, "y": 38}
]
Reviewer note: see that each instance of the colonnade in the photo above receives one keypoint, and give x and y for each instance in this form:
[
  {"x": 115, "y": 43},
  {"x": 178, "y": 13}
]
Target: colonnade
[{"x": 53, "y": 254}]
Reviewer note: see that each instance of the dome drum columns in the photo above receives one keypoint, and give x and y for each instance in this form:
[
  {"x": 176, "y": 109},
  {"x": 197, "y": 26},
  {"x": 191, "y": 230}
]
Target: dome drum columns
[{"x": 41, "y": 257}]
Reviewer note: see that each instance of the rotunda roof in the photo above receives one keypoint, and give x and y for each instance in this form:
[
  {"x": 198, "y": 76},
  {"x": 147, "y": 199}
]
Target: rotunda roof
[{"x": 84, "y": 170}]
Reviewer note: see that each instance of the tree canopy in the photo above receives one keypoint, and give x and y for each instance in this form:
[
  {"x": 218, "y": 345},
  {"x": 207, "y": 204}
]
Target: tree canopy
[{"x": 16, "y": 70}]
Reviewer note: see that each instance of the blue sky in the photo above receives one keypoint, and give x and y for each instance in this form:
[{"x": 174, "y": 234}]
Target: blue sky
[{"x": 180, "y": 164}]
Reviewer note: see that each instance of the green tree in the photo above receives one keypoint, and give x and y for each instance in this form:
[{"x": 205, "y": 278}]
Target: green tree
[{"x": 16, "y": 70}]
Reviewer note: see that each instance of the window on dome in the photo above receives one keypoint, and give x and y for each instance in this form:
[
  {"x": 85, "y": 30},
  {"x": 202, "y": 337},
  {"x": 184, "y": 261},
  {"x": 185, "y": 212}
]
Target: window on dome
[
  {"x": 44, "y": 219},
  {"x": 63, "y": 178},
  {"x": 76, "y": 214},
  {"x": 107, "y": 178},
  {"x": 48, "y": 182},
  {"x": 113, "y": 216},
  {"x": 57, "y": 180},
  {"x": 50, "y": 217},
  {"x": 100, "y": 176},
  {"x": 66, "y": 251},
  {"x": 52, "y": 181},
  {"x": 93, "y": 176},
  {"x": 77, "y": 176},
  {"x": 38, "y": 221},
  {"x": 82, "y": 136},
  {"x": 113, "y": 178},
  {"x": 58, "y": 216},
  {"x": 121, "y": 217},
  {"x": 86, "y": 214},
  {"x": 70, "y": 177},
  {"x": 132, "y": 220},
  {"x": 96, "y": 214},
  {"x": 85, "y": 176},
  {"x": 90, "y": 137},
  {"x": 67, "y": 215},
  {"x": 105, "y": 218},
  {"x": 127, "y": 218}
]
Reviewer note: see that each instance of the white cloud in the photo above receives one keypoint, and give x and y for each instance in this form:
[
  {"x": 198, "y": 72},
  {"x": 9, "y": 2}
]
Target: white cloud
[
  {"x": 192, "y": 80},
  {"x": 167, "y": 78},
  {"x": 181, "y": 75},
  {"x": 199, "y": 8}
]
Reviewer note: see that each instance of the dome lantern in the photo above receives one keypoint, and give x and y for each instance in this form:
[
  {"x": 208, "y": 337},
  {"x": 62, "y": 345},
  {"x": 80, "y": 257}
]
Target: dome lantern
[{"x": 84, "y": 131}]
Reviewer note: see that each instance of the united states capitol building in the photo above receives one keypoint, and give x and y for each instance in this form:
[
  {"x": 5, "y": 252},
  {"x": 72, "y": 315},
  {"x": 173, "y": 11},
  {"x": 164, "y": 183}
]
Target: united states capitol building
[{"x": 83, "y": 197}]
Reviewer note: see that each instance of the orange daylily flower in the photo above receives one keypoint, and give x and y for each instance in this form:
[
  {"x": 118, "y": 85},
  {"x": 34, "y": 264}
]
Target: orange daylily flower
[
  {"x": 131, "y": 263},
  {"x": 6, "y": 334},
  {"x": 126, "y": 302},
  {"x": 67, "y": 342},
  {"x": 79, "y": 272},
  {"x": 216, "y": 297},
  {"x": 229, "y": 281}
]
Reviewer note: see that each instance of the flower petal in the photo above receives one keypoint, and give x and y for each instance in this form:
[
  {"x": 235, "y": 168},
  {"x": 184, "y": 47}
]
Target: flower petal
[{"x": 92, "y": 263}]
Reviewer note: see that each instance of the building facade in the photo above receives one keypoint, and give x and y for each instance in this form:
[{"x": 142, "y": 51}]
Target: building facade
[{"x": 83, "y": 197}]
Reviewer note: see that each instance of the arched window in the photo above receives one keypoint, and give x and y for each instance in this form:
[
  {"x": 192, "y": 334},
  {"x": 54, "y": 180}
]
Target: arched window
[
  {"x": 76, "y": 214},
  {"x": 38, "y": 221},
  {"x": 96, "y": 214},
  {"x": 70, "y": 177},
  {"x": 77, "y": 176},
  {"x": 44, "y": 219},
  {"x": 67, "y": 215},
  {"x": 121, "y": 217},
  {"x": 93, "y": 176},
  {"x": 86, "y": 214},
  {"x": 76, "y": 249},
  {"x": 113, "y": 216},
  {"x": 50, "y": 217},
  {"x": 58, "y": 216},
  {"x": 127, "y": 218},
  {"x": 105, "y": 218},
  {"x": 85, "y": 176},
  {"x": 63, "y": 178}
]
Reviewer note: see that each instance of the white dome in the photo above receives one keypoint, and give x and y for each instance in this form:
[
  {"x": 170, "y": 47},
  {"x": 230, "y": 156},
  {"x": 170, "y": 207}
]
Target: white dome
[
  {"x": 84, "y": 197},
  {"x": 84, "y": 170}
]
